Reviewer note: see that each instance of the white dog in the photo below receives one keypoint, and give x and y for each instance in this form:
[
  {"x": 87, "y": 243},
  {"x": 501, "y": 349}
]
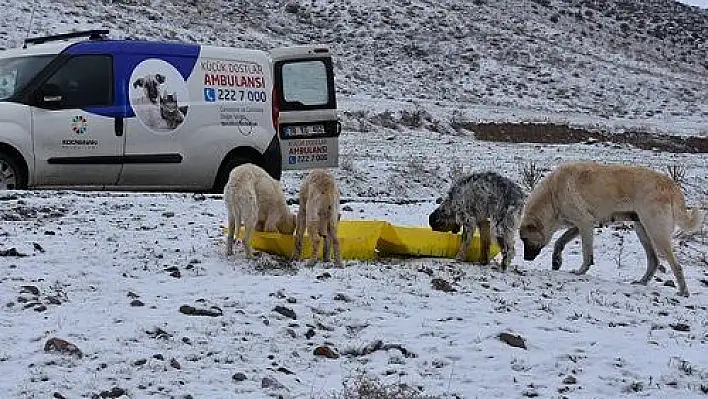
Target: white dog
[
  {"x": 251, "y": 195},
  {"x": 319, "y": 212}
]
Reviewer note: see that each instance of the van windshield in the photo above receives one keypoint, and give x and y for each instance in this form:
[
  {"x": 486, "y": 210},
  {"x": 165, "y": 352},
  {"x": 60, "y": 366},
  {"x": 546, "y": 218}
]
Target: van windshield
[{"x": 17, "y": 72}]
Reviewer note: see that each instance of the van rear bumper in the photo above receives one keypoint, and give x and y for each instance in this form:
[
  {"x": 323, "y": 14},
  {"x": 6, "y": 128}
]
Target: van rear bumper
[{"x": 273, "y": 158}]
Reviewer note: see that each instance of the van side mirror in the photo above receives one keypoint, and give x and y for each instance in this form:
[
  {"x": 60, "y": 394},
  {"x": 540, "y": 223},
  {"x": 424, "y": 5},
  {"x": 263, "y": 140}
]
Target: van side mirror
[{"x": 49, "y": 95}]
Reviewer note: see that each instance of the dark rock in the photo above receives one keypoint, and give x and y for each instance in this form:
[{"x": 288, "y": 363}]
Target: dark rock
[
  {"x": 62, "y": 346},
  {"x": 284, "y": 371},
  {"x": 669, "y": 283},
  {"x": 272, "y": 383},
  {"x": 168, "y": 214},
  {"x": 291, "y": 300},
  {"x": 310, "y": 333},
  {"x": 513, "y": 340},
  {"x": 238, "y": 377},
  {"x": 175, "y": 364},
  {"x": 158, "y": 356},
  {"x": 325, "y": 351},
  {"x": 140, "y": 362},
  {"x": 570, "y": 380},
  {"x": 57, "y": 395},
  {"x": 681, "y": 327},
  {"x": 192, "y": 311},
  {"x": 442, "y": 285},
  {"x": 49, "y": 233},
  {"x": 341, "y": 297},
  {"x": 132, "y": 295},
  {"x": 347, "y": 208},
  {"x": 324, "y": 276},
  {"x": 53, "y": 300},
  {"x": 12, "y": 252},
  {"x": 29, "y": 289},
  {"x": 159, "y": 333},
  {"x": 136, "y": 303},
  {"x": 40, "y": 308},
  {"x": 115, "y": 392},
  {"x": 37, "y": 247},
  {"x": 287, "y": 312}
]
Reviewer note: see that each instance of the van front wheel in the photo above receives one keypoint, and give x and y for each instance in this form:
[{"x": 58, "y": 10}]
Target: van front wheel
[
  {"x": 12, "y": 176},
  {"x": 223, "y": 175}
]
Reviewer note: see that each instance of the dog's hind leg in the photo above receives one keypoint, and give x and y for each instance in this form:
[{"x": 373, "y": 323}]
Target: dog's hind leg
[
  {"x": 232, "y": 228},
  {"x": 652, "y": 259},
  {"x": 659, "y": 232},
  {"x": 315, "y": 239},
  {"x": 332, "y": 234},
  {"x": 586, "y": 234},
  {"x": 299, "y": 232},
  {"x": 485, "y": 238},
  {"x": 560, "y": 244}
]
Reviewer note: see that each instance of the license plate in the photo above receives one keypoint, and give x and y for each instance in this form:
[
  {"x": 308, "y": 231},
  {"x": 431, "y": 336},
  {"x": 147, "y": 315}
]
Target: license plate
[{"x": 303, "y": 130}]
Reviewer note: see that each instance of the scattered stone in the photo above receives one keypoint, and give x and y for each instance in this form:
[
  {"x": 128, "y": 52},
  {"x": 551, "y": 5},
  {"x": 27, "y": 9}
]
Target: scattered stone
[
  {"x": 49, "y": 233},
  {"x": 310, "y": 333},
  {"x": 175, "y": 364},
  {"x": 376, "y": 346},
  {"x": 158, "y": 356},
  {"x": 680, "y": 327},
  {"x": 29, "y": 289},
  {"x": 136, "y": 303},
  {"x": 341, "y": 297},
  {"x": 426, "y": 270},
  {"x": 140, "y": 362},
  {"x": 238, "y": 377},
  {"x": 192, "y": 311},
  {"x": 442, "y": 285},
  {"x": 530, "y": 393},
  {"x": 53, "y": 300},
  {"x": 291, "y": 333},
  {"x": 12, "y": 252},
  {"x": 62, "y": 346},
  {"x": 513, "y": 340},
  {"x": 325, "y": 351},
  {"x": 40, "y": 308},
  {"x": 37, "y": 247},
  {"x": 669, "y": 283},
  {"x": 324, "y": 276},
  {"x": 168, "y": 214},
  {"x": 272, "y": 383},
  {"x": 133, "y": 295},
  {"x": 570, "y": 380},
  {"x": 284, "y": 371},
  {"x": 57, "y": 395},
  {"x": 159, "y": 333},
  {"x": 347, "y": 208},
  {"x": 287, "y": 312},
  {"x": 115, "y": 392}
]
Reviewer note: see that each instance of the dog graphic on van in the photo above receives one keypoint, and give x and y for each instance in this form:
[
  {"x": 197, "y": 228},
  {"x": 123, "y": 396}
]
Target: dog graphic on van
[{"x": 156, "y": 109}]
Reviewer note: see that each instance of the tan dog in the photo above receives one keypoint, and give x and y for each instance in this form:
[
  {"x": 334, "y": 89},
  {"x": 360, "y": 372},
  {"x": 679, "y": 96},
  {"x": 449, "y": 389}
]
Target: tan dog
[
  {"x": 579, "y": 195},
  {"x": 319, "y": 212},
  {"x": 255, "y": 198}
]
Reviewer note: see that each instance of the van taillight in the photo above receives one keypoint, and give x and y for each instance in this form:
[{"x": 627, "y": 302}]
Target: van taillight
[{"x": 276, "y": 110}]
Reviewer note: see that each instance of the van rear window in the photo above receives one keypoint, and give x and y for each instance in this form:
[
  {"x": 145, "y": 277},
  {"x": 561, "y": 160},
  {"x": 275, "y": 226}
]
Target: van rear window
[{"x": 305, "y": 82}]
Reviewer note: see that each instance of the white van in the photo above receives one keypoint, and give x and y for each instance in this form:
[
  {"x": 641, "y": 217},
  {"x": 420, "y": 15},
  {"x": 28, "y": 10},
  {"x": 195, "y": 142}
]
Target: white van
[{"x": 80, "y": 110}]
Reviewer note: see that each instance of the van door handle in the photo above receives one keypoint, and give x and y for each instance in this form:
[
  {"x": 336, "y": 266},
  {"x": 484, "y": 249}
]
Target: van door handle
[{"x": 119, "y": 126}]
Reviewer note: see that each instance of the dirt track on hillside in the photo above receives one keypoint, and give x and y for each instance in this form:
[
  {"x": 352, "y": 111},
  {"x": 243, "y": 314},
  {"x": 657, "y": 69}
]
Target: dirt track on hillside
[{"x": 561, "y": 134}]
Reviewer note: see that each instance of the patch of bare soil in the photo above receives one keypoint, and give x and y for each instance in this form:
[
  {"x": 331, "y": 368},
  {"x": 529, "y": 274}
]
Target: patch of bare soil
[{"x": 562, "y": 134}]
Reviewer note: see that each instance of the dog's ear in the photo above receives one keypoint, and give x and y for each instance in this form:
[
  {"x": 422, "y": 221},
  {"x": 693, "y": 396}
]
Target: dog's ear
[
  {"x": 139, "y": 83},
  {"x": 160, "y": 78}
]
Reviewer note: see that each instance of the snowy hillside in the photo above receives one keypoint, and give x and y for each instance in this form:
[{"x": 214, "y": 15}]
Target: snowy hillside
[{"x": 597, "y": 60}]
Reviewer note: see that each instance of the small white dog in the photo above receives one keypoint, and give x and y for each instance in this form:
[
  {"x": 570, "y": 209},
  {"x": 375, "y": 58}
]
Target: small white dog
[
  {"x": 251, "y": 195},
  {"x": 319, "y": 212}
]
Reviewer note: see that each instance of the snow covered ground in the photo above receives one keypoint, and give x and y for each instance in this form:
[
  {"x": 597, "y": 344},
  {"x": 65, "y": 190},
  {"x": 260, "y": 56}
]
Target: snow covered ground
[{"x": 109, "y": 272}]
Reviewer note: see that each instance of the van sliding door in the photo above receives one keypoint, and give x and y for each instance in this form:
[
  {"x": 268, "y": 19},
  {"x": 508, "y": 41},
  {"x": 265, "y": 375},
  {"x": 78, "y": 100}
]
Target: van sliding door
[{"x": 306, "y": 109}]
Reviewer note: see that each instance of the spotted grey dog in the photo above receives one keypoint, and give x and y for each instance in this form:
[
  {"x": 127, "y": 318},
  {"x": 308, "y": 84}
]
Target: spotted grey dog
[{"x": 484, "y": 200}]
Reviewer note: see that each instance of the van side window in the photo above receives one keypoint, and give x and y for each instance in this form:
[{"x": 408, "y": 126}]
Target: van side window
[
  {"x": 84, "y": 81},
  {"x": 305, "y": 82}
]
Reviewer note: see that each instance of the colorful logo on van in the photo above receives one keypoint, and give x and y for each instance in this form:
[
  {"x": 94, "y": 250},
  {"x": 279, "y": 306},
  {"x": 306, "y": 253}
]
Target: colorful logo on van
[
  {"x": 158, "y": 95},
  {"x": 79, "y": 124}
]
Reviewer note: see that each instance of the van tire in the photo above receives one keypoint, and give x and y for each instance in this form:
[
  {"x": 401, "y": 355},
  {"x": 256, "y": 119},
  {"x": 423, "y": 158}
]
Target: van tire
[
  {"x": 11, "y": 173},
  {"x": 223, "y": 176}
]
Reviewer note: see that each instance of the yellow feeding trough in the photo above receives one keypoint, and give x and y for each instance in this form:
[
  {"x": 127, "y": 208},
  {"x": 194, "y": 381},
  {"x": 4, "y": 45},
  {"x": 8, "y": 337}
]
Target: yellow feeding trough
[{"x": 371, "y": 239}]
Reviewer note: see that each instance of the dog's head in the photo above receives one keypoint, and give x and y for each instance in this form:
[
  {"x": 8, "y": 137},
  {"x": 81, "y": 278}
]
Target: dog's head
[
  {"x": 444, "y": 218},
  {"x": 533, "y": 237},
  {"x": 151, "y": 85}
]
